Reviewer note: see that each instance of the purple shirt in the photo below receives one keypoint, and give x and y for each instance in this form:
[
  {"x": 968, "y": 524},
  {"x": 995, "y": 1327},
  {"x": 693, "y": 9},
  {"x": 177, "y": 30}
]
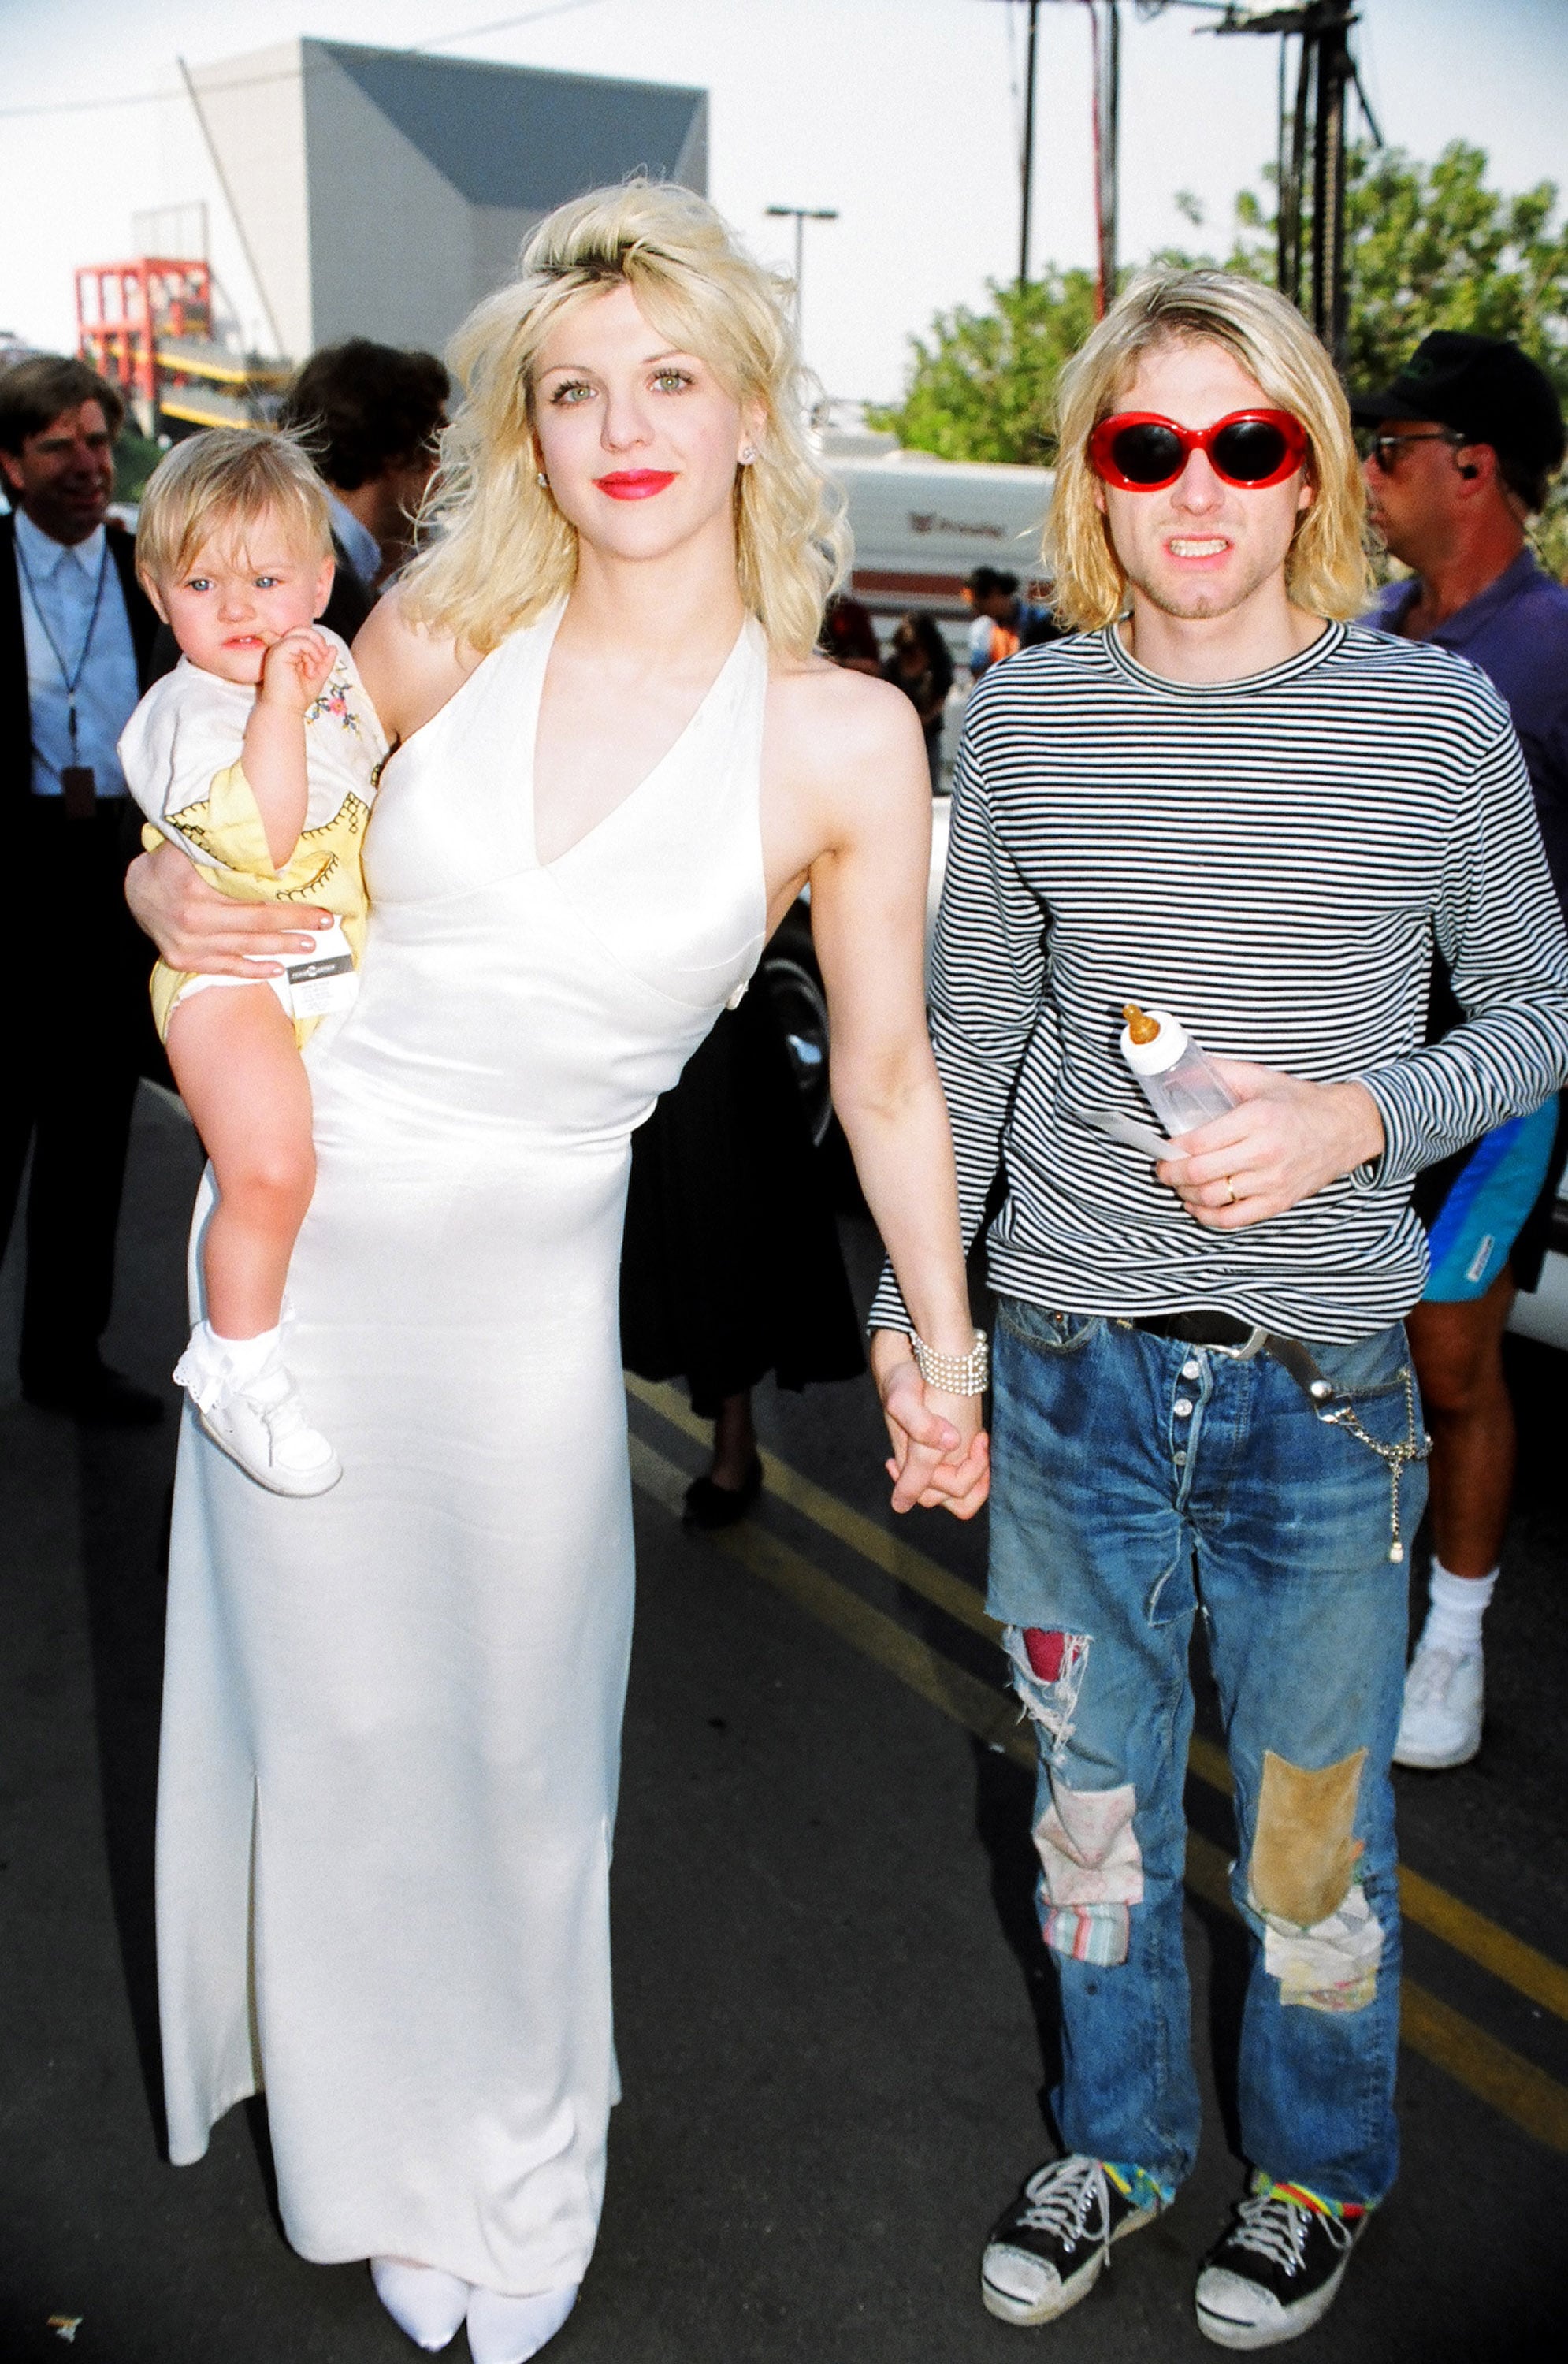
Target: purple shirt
[{"x": 1516, "y": 632}]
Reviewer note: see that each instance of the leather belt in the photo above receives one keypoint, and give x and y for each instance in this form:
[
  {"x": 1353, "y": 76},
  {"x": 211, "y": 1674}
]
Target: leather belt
[{"x": 1207, "y": 1326}]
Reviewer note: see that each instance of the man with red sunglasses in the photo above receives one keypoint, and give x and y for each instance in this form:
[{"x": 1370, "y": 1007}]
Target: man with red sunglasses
[
  {"x": 1222, "y": 798},
  {"x": 1463, "y": 445}
]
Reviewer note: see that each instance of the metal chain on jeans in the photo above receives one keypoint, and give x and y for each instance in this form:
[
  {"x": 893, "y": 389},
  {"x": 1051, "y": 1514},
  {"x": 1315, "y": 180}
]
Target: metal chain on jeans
[{"x": 1418, "y": 1445}]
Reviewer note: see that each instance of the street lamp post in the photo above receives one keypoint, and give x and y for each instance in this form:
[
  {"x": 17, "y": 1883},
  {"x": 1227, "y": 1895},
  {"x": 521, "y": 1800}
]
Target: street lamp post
[{"x": 800, "y": 215}]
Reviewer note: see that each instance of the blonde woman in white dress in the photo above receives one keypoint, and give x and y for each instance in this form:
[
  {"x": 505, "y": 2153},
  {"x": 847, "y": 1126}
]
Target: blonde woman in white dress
[{"x": 392, "y": 1717}]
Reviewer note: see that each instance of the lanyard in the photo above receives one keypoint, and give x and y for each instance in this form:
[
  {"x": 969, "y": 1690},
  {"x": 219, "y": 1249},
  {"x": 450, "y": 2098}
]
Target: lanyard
[{"x": 71, "y": 676}]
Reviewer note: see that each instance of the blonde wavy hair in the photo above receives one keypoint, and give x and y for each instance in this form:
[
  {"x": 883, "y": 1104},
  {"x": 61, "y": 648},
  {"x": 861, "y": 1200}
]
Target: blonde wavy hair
[
  {"x": 1327, "y": 571},
  {"x": 218, "y": 487},
  {"x": 495, "y": 550}
]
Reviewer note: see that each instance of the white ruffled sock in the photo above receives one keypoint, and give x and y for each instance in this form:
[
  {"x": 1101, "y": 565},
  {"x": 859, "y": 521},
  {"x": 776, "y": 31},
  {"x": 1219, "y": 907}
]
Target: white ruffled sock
[
  {"x": 1458, "y": 1605},
  {"x": 235, "y": 1361},
  {"x": 422, "y": 2301},
  {"x": 510, "y": 2330}
]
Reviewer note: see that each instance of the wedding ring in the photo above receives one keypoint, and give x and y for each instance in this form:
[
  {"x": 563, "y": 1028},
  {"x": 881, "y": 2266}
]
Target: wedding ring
[{"x": 1230, "y": 1188}]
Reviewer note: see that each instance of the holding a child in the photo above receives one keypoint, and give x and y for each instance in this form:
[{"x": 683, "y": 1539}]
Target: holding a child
[{"x": 391, "y": 1711}]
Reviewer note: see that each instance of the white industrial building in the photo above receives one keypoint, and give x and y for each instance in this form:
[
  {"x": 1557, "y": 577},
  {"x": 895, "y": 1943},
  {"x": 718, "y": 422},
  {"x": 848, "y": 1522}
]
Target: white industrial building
[{"x": 381, "y": 192}]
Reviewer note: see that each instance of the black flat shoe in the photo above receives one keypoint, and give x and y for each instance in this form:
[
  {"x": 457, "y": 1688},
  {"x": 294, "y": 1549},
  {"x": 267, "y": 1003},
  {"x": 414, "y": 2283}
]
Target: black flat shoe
[
  {"x": 709, "y": 1506},
  {"x": 95, "y": 1395}
]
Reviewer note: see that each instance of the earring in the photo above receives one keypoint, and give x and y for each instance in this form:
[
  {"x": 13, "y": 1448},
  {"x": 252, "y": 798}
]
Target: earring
[
  {"x": 542, "y": 479},
  {"x": 748, "y": 453}
]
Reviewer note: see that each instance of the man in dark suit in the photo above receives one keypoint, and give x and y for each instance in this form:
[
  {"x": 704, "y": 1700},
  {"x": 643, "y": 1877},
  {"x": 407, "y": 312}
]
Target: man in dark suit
[{"x": 76, "y": 634}]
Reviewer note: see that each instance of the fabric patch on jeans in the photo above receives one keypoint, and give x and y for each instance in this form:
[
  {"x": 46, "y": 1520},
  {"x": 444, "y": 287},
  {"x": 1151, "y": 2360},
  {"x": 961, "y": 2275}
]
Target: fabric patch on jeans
[
  {"x": 1091, "y": 1871},
  {"x": 1048, "y": 1671},
  {"x": 1333, "y": 1965},
  {"x": 1304, "y": 1856},
  {"x": 1088, "y": 1932}
]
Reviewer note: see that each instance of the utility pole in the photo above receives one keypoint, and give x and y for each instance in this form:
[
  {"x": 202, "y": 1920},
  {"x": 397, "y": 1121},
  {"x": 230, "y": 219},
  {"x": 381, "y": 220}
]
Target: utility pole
[
  {"x": 800, "y": 215},
  {"x": 1315, "y": 123},
  {"x": 1107, "y": 123},
  {"x": 1029, "y": 146}
]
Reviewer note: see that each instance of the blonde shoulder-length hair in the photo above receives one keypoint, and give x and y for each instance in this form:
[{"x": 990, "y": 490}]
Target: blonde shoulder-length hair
[
  {"x": 495, "y": 550},
  {"x": 1327, "y": 571}
]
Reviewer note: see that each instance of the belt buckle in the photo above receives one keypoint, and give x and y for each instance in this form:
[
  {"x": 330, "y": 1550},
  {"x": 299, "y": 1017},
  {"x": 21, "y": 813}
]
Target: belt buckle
[{"x": 1252, "y": 1345}]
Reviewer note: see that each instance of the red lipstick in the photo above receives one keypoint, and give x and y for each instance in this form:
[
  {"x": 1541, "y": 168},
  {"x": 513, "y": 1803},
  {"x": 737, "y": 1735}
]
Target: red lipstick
[{"x": 635, "y": 484}]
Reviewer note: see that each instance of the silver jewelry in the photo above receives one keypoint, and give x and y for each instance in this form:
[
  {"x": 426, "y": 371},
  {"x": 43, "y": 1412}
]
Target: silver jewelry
[
  {"x": 542, "y": 479},
  {"x": 748, "y": 453},
  {"x": 955, "y": 1375}
]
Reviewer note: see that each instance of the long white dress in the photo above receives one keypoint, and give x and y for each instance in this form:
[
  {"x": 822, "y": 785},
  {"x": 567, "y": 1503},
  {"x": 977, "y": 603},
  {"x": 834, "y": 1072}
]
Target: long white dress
[{"x": 392, "y": 1715}]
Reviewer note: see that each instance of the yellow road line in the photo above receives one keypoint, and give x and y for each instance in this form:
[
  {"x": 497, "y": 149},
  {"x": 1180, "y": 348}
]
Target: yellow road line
[
  {"x": 1529, "y": 1972},
  {"x": 1502, "y": 2079}
]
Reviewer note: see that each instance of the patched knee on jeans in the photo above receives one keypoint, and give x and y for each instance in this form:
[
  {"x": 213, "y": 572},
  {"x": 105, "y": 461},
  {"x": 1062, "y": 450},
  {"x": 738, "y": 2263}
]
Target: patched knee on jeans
[
  {"x": 1091, "y": 1871},
  {"x": 1321, "y": 1939},
  {"x": 1047, "y": 1674}
]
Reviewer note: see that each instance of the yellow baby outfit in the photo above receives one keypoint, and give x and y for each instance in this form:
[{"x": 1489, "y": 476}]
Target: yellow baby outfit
[{"x": 180, "y": 753}]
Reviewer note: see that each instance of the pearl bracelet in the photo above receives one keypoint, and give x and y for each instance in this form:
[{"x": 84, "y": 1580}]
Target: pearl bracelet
[{"x": 955, "y": 1375}]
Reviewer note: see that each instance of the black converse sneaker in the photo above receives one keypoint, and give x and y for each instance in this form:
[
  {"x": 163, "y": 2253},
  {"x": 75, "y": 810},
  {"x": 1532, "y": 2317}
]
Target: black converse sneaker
[
  {"x": 1276, "y": 2272},
  {"x": 1053, "y": 2243}
]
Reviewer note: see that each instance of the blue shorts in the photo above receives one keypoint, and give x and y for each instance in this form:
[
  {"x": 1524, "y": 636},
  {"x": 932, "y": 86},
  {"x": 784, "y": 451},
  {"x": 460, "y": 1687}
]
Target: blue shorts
[{"x": 1486, "y": 1206}]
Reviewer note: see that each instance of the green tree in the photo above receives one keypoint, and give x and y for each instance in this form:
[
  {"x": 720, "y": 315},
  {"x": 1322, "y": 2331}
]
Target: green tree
[
  {"x": 1429, "y": 246},
  {"x": 980, "y": 384}
]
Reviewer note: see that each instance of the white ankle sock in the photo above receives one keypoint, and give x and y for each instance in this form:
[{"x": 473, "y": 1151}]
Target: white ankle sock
[
  {"x": 510, "y": 2330},
  {"x": 246, "y": 1357},
  {"x": 1458, "y": 1605},
  {"x": 422, "y": 2301}
]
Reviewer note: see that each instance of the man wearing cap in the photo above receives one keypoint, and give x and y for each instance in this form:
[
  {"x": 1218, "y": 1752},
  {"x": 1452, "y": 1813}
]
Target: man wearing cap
[{"x": 1464, "y": 442}]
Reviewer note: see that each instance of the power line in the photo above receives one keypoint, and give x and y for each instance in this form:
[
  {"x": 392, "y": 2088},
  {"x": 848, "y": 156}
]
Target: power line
[{"x": 254, "y": 82}]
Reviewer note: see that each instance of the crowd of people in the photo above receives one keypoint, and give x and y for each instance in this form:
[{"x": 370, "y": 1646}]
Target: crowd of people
[{"x": 560, "y": 641}]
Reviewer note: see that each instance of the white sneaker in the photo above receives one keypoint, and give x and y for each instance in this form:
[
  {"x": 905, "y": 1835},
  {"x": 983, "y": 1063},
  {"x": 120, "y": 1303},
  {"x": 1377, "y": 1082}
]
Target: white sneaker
[
  {"x": 261, "y": 1424},
  {"x": 1444, "y": 1697}
]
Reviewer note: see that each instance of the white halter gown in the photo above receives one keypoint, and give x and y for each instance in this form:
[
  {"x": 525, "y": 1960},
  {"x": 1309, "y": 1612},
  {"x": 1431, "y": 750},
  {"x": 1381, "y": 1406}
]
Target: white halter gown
[{"x": 392, "y": 1715}]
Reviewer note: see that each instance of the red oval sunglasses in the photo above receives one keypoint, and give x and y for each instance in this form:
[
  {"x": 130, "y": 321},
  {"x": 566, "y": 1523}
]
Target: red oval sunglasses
[{"x": 1138, "y": 451}]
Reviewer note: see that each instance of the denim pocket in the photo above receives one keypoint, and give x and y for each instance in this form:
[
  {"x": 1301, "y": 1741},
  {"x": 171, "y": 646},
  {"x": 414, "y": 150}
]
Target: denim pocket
[
  {"x": 1366, "y": 1370},
  {"x": 1049, "y": 1333}
]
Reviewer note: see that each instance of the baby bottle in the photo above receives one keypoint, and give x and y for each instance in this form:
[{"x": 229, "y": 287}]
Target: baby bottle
[{"x": 1180, "y": 1081}]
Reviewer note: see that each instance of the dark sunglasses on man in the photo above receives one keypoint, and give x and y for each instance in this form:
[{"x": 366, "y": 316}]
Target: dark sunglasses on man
[
  {"x": 1139, "y": 451},
  {"x": 1384, "y": 448}
]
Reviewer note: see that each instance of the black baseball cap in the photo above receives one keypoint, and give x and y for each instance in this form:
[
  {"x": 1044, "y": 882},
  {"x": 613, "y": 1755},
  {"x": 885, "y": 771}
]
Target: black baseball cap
[{"x": 1484, "y": 388}]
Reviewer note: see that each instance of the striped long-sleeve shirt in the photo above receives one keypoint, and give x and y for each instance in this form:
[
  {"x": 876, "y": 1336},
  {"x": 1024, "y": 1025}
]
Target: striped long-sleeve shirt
[{"x": 1274, "y": 860}]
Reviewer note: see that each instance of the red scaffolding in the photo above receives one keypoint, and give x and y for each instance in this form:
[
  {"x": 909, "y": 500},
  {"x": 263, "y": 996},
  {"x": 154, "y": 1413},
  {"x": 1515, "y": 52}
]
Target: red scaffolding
[{"x": 146, "y": 325}]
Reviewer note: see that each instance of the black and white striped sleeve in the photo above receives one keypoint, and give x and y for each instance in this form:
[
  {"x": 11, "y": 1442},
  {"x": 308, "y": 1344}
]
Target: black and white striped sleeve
[
  {"x": 987, "y": 969},
  {"x": 1500, "y": 929}
]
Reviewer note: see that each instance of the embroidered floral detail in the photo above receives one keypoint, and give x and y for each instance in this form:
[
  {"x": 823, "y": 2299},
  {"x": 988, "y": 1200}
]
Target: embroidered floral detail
[{"x": 333, "y": 701}]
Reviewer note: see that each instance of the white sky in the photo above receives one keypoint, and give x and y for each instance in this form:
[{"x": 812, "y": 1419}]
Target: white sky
[{"x": 901, "y": 113}]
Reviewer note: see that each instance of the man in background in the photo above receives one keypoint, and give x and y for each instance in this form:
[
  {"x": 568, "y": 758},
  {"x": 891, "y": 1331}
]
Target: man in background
[
  {"x": 1464, "y": 442},
  {"x": 77, "y": 636},
  {"x": 371, "y": 416},
  {"x": 1004, "y": 622}
]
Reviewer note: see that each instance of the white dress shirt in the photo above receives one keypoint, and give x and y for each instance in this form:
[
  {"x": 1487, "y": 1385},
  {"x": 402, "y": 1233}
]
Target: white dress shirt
[{"x": 57, "y": 584}]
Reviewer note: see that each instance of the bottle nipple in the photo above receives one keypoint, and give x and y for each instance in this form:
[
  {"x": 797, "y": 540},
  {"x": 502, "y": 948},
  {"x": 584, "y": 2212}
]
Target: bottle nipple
[{"x": 1140, "y": 1026}]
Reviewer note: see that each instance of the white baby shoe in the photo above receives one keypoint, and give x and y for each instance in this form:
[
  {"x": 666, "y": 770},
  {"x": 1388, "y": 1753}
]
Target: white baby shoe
[{"x": 250, "y": 1405}]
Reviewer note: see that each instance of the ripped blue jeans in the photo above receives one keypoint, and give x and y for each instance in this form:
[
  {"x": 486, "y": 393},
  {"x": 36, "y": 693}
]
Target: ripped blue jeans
[{"x": 1136, "y": 1481}]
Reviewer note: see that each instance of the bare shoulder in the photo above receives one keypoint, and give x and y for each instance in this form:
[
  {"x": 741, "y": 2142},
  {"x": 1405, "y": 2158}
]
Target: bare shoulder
[
  {"x": 408, "y": 671},
  {"x": 831, "y": 726}
]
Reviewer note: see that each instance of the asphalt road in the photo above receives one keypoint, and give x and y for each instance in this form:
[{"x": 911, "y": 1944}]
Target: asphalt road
[{"x": 834, "y": 2016}]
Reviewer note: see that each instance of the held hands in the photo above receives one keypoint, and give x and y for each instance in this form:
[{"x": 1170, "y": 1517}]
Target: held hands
[
  {"x": 1286, "y": 1140},
  {"x": 294, "y": 669},
  {"x": 941, "y": 1455}
]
